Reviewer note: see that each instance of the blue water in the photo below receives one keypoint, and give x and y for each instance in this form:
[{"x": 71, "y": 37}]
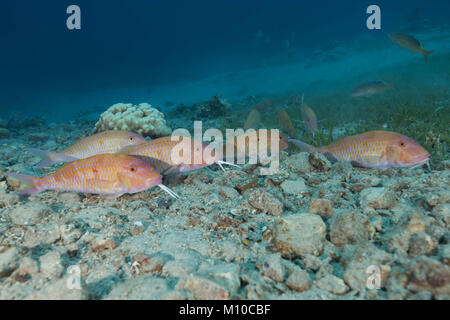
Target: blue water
[{"x": 155, "y": 51}]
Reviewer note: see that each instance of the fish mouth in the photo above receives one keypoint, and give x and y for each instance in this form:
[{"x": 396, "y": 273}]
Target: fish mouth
[{"x": 421, "y": 160}]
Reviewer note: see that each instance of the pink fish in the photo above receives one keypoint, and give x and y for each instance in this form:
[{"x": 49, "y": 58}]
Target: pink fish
[
  {"x": 107, "y": 174},
  {"x": 161, "y": 154},
  {"x": 373, "y": 149},
  {"x": 104, "y": 142},
  {"x": 310, "y": 119}
]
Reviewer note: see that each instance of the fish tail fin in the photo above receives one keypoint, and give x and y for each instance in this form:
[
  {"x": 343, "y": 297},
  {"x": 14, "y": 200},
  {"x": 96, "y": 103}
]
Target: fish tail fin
[
  {"x": 303, "y": 146},
  {"x": 30, "y": 182},
  {"x": 49, "y": 158},
  {"x": 426, "y": 53}
]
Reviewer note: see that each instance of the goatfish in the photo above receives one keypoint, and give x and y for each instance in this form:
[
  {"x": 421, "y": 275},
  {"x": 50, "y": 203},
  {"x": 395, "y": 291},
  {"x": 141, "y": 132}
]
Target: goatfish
[
  {"x": 253, "y": 120},
  {"x": 410, "y": 43},
  {"x": 372, "y": 88},
  {"x": 103, "y": 142},
  {"x": 373, "y": 149},
  {"x": 108, "y": 174},
  {"x": 286, "y": 124},
  {"x": 309, "y": 118},
  {"x": 161, "y": 154}
]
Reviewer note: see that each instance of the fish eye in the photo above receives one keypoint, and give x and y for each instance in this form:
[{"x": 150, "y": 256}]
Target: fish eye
[
  {"x": 133, "y": 169},
  {"x": 131, "y": 138},
  {"x": 402, "y": 144}
]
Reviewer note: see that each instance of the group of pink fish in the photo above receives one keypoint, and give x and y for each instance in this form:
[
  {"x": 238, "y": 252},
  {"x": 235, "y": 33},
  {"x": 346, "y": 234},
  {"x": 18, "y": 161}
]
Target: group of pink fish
[
  {"x": 112, "y": 163},
  {"x": 116, "y": 162}
]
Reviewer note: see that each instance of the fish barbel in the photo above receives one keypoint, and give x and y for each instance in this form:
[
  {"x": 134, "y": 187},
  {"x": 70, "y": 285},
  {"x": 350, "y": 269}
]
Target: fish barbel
[
  {"x": 373, "y": 149},
  {"x": 167, "y": 154}
]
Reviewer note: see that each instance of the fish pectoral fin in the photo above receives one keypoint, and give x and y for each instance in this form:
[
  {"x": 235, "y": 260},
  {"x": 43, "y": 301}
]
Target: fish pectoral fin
[
  {"x": 356, "y": 164},
  {"x": 173, "y": 170}
]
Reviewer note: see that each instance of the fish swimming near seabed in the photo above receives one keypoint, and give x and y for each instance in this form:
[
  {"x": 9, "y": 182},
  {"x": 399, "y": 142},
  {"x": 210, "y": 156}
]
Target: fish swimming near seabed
[
  {"x": 100, "y": 143},
  {"x": 410, "y": 43},
  {"x": 372, "y": 88},
  {"x": 253, "y": 120},
  {"x": 373, "y": 149},
  {"x": 309, "y": 117},
  {"x": 161, "y": 155},
  {"x": 108, "y": 174},
  {"x": 285, "y": 123},
  {"x": 241, "y": 144}
]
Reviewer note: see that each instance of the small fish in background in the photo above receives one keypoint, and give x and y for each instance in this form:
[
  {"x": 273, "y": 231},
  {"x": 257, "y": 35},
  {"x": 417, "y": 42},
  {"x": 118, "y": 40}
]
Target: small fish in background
[
  {"x": 373, "y": 149},
  {"x": 243, "y": 148},
  {"x": 158, "y": 154},
  {"x": 103, "y": 142},
  {"x": 410, "y": 43},
  {"x": 309, "y": 118},
  {"x": 253, "y": 120},
  {"x": 108, "y": 174},
  {"x": 372, "y": 88},
  {"x": 285, "y": 123}
]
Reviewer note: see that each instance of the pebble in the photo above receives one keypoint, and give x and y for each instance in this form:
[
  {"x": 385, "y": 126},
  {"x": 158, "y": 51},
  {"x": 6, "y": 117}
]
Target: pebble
[
  {"x": 299, "y": 234},
  {"x": 202, "y": 287},
  {"x": 29, "y": 213},
  {"x": 321, "y": 207},
  {"x": 9, "y": 261},
  {"x": 430, "y": 275},
  {"x": 294, "y": 187},
  {"x": 59, "y": 290},
  {"x": 298, "y": 280},
  {"x": 377, "y": 198},
  {"x": 332, "y": 284},
  {"x": 140, "y": 288},
  {"x": 28, "y": 266},
  {"x": 349, "y": 227},
  {"x": 50, "y": 265},
  {"x": 299, "y": 163},
  {"x": 271, "y": 267},
  {"x": 265, "y": 202},
  {"x": 153, "y": 263},
  {"x": 319, "y": 161},
  {"x": 101, "y": 244},
  {"x": 44, "y": 234},
  {"x": 421, "y": 243}
]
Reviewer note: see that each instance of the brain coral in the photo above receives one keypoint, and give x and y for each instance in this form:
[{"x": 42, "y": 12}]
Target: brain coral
[{"x": 142, "y": 119}]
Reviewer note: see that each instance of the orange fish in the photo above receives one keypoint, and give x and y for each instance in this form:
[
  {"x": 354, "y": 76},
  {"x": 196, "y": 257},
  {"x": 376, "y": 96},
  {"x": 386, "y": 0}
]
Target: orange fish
[
  {"x": 285, "y": 122},
  {"x": 107, "y": 174},
  {"x": 373, "y": 149},
  {"x": 100, "y": 143},
  {"x": 309, "y": 118},
  {"x": 167, "y": 156},
  {"x": 253, "y": 120}
]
